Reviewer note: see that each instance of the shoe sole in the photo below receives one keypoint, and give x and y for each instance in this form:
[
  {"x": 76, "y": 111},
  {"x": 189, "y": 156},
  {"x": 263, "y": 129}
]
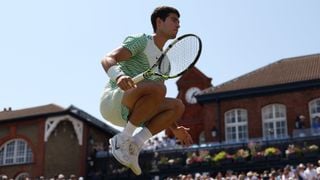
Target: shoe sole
[
  {"x": 115, "y": 155},
  {"x": 136, "y": 172}
]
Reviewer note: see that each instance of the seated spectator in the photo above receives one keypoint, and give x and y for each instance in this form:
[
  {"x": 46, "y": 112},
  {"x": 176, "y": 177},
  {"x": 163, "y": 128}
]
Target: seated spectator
[
  {"x": 300, "y": 171},
  {"x": 318, "y": 169},
  {"x": 265, "y": 175},
  {"x": 219, "y": 176},
  {"x": 310, "y": 171},
  {"x": 61, "y": 177},
  {"x": 72, "y": 177},
  {"x": 287, "y": 173}
]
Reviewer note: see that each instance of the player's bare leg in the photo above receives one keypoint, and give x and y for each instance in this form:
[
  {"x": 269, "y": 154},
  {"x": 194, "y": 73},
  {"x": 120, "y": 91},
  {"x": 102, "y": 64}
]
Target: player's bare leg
[
  {"x": 144, "y": 101},
  {"x": 168, "y": 113},
  {"x": 148, "y": 105}
]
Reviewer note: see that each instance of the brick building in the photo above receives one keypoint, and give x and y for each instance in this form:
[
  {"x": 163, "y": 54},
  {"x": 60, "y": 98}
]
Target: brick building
[
  {"x": 262, "y": 104},
  {"x": 49, "y": 140}
]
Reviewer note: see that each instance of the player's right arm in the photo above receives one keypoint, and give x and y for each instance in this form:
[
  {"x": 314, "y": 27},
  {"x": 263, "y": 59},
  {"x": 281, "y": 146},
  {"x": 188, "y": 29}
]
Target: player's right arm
[{"x": 109, "y": 64}]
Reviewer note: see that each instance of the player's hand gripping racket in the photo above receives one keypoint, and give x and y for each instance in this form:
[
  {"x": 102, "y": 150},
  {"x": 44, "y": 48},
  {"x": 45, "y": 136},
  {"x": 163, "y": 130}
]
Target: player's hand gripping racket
[{"x": 176, "y": 59}]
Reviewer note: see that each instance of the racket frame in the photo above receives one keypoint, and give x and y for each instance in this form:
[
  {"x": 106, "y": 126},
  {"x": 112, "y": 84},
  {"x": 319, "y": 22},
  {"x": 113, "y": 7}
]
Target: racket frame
[{"x": 150, "y": 72}]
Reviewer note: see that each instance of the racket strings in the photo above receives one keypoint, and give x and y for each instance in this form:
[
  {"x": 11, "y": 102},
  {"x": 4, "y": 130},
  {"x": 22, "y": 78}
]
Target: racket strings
[{"x": 180, "y": 56}]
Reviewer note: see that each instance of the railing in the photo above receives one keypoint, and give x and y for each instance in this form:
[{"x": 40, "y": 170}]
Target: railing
[
  {"x": 297, "y": 134},
  {"x": 307, "y": 132}
]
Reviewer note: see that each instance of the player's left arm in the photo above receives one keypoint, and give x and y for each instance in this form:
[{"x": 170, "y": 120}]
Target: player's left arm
[{"x": 182, "y": 134}]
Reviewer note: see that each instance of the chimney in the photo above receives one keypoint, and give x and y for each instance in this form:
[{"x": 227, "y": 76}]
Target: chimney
[{"x": 7, "y": 109}]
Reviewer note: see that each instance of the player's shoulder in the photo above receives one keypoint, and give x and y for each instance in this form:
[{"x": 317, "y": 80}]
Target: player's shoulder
[
  {"x": 140, "y": 36},
  {"x": 136, "y": 42}
]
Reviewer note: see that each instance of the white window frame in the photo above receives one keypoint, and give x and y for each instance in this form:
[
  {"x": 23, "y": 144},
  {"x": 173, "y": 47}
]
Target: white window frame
[
  {"x": 15, "y": 151},
  {"x": 314, "y": 110},
  {"x": 274, "y": 114},
  {"x": 233, "y": 113}
]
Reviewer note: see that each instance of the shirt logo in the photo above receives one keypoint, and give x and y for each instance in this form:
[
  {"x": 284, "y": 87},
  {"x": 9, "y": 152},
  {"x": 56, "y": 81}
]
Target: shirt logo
[{"x": 116, "y": 146}]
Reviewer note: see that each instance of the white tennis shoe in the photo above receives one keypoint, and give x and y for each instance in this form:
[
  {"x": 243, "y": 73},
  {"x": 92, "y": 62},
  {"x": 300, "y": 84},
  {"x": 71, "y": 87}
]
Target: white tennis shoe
[
  {"x": 134, "y": 151},
  {"x": 119, "y": 148},
  {"x": 126, "y": 152}
]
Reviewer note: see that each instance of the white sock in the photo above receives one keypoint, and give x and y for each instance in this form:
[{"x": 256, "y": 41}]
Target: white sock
[
  {"x": 129, "y": 129},
  {"x": 141, "y": 137}
]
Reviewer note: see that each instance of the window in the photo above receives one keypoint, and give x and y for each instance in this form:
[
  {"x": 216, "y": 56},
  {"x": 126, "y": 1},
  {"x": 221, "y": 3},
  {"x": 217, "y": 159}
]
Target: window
[
  {"x": 314, "y": 110},
  {"x": 314, "y": 106},
  {"x": 15, "y": 151},
  {"x": 274, "y": 121},
  {"x": 236, "y": 125}
]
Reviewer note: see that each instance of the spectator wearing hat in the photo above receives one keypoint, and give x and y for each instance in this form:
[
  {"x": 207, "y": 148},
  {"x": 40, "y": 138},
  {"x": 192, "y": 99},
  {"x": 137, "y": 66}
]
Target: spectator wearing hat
[
  {"x": 255, "y": 176},
  {"x": 300, "y": 172},
  {"x": 3, "y": 177},
  {"x": 60, "y": 177},
  {"x": 72, "y": 177},
  {"x": 249, "y": 175},
  {"x": 241, "y": 176}
]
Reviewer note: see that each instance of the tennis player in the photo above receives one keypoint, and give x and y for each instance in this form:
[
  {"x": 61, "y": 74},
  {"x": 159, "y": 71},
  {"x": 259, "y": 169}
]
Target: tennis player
[{"x": 144, "y": 104}]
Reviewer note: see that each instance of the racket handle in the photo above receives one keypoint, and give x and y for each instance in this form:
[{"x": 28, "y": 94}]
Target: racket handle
[{"x": 138, "y": 78}]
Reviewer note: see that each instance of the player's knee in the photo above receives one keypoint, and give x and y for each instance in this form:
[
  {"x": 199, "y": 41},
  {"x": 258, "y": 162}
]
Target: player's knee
[{"x": 158, "y": 90}]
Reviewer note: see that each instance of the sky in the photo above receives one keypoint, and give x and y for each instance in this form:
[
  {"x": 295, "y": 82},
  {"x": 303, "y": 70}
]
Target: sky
[{"x": 50, "y": 51}]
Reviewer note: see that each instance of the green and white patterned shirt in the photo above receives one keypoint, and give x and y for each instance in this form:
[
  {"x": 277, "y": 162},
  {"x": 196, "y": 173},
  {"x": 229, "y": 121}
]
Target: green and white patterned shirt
[{"x": 144, "y": 54}]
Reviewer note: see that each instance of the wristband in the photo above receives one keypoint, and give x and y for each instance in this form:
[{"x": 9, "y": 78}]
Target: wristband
[{"x": 114, "y": 72}]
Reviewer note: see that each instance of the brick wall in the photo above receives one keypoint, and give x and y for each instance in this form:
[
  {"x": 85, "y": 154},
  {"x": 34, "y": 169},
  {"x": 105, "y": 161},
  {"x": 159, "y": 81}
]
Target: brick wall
[{"x": 296, "y": 103}]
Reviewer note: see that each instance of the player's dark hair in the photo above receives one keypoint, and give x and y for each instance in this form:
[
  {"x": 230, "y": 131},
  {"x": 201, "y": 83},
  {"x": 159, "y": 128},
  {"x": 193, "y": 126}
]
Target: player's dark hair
[{"x": 162, "y": 12}]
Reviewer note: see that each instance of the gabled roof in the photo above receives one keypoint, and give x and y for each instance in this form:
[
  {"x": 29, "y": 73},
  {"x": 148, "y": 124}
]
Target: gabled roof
[
  {"x": 53, "y": 110},
  {"x": 285, "y": 71},
  {"x": 33, "y": 111}
]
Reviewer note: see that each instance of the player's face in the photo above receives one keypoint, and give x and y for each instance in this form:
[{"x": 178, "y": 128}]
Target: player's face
[{"x": 170, "y": 26}]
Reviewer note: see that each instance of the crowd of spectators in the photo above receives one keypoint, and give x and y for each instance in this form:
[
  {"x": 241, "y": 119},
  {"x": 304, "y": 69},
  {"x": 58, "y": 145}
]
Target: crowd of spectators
[
  {"x": 57, "y": 177},
  {"x": 308, "y": 171},
  {"x": 157, "y": 143}
]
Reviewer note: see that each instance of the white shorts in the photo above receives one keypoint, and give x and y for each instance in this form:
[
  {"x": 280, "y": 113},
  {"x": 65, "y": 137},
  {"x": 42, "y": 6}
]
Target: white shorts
[{"x": 111, "y": 107}]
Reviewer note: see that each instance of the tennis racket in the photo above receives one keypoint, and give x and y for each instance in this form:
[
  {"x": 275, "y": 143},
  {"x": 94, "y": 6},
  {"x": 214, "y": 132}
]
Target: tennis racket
[{"x": 177, "y": 58}]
